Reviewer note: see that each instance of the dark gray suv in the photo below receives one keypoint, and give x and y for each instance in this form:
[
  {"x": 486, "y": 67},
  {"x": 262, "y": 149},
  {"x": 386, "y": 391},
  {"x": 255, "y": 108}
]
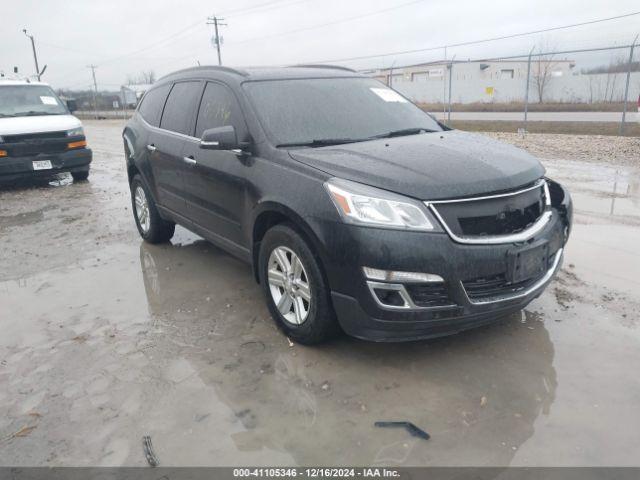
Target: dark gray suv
[{"x": 358, "y": 211}]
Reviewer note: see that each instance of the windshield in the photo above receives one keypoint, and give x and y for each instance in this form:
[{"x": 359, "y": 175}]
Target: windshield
[
  {"x": 27, "y": 100},
  {"x": 333, "y": 110}
]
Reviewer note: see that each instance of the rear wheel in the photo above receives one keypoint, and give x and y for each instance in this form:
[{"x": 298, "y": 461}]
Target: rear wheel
[
  {"x": 296, "y": 292},
  {"x": 151, "y": 226}
]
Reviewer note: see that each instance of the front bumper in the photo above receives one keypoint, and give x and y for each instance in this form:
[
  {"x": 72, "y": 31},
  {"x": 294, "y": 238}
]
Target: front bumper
[
  {"x": 362, "y": 316},
  {"x": 18, "y": 168}
]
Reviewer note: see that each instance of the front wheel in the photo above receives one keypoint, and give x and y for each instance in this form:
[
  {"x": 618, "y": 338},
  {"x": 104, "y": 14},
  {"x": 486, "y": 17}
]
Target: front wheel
[
  {"x": 151, "y": 226},
  {"x": 80, "y": 176},
  {"x": 296, "y": 292}
]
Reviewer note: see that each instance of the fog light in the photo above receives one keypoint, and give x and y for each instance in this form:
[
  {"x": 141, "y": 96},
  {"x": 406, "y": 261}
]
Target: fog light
[
  {"x": 401, "y": 277},
  {"x": 3, "y": 153}
]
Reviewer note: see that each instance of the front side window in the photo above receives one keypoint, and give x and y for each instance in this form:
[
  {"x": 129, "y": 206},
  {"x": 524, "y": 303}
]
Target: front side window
[
  {"x": 152, "y": 104},
  {"x": 29, "y": 100},
  {"x": 308, "y": 110},
  {"x": 178, "y": 111},
  {"x": 218, "y": 108}
]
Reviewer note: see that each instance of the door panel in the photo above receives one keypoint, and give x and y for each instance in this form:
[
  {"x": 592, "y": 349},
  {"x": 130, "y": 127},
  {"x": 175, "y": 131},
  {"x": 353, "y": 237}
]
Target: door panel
[
  {"x": 215, "y": 186},
  {"x": 216, "y": 182},
  {"x": 167, "y": 143},
  {"x": 167, "y": 167}
]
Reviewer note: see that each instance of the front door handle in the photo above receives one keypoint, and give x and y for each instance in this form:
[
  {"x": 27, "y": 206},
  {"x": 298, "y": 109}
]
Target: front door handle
[
  {"x": 152, "y": 148},
  {"x": 189, "y": 160}
]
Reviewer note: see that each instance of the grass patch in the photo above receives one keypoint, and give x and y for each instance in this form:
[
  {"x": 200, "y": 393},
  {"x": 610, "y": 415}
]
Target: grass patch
[
  {"x": 533, "y": 107},
  {"x": 631, "y": 129}
]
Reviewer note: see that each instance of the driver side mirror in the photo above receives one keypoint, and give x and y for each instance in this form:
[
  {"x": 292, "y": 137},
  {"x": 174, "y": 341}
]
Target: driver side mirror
[
  {"x": 72, "y": 105},
  {"x": 220, "y": 138}
]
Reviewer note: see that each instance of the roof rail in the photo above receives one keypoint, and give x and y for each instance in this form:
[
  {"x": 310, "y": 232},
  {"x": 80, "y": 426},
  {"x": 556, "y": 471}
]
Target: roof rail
[
  {"x": 335, "y": 67},
  {"x": 214, "y": 67},
  {"x": 230, "y": 70}
]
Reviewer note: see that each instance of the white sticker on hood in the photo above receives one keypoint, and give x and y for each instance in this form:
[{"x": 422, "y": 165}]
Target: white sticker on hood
[
  {"x": 48, "y": 100},
  {"x": 388, "y": 95}
]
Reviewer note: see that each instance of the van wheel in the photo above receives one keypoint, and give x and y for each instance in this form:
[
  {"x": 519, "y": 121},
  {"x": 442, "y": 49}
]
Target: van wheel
[
  {"x": 150, "y": 225},
  {"x": 296, "y": 292},
  {"x": 80, "y": 176}
]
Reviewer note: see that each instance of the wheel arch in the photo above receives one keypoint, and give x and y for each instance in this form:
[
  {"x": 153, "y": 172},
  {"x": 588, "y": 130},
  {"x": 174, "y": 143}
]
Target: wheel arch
[{"x": 271, "y": 214}]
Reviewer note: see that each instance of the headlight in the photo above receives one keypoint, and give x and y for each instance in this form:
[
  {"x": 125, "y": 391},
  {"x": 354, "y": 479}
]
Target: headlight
[
  {"x": 364, "y": 205},
  {"x": 75, "y": 132}
]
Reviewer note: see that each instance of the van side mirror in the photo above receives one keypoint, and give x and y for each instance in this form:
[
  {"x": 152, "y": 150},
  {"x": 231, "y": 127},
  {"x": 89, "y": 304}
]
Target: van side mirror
[
  {"x": 72, "y": 105},
  {"x": 220, "y": 138}
]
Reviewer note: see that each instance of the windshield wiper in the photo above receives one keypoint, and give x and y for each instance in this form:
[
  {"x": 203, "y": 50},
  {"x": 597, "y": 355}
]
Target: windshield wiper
[
  {"x": 323, "y": 142},
  {"x": 33, "y": 113},
  {"x": 403, "y": 132}
]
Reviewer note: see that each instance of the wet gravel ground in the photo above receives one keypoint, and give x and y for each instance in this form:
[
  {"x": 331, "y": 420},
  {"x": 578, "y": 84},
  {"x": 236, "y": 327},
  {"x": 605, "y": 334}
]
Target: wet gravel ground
[
  {"x": 106, "y": 339},
  {"x": 616, "y": 151}
]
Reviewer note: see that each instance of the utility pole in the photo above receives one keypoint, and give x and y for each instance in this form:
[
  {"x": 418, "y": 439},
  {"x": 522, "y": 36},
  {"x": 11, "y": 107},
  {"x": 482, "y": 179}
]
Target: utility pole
[
  {"x": 95, "y": 89},
  {"x": 449, "y": 102},
  {"x": 217, "y": 22},
  {"x": 526, "y": 90},
  {"x": 35, "y": 56},
  {"x": 626, "y": 88}
]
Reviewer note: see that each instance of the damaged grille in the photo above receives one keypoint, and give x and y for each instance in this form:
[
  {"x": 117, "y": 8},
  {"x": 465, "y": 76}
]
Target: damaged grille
[
  {"x": 496, "y": 286},
  {"x": 502, "y": 214}
]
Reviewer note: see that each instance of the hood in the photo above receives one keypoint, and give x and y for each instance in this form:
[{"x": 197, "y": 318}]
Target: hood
[
  {"x": 37, "y": 124},
  {"x": 430, "y": 166}
]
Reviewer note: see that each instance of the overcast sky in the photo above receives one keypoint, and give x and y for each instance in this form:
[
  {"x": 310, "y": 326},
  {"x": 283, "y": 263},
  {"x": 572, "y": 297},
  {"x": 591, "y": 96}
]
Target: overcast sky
[{"x": 125, "y": 37}]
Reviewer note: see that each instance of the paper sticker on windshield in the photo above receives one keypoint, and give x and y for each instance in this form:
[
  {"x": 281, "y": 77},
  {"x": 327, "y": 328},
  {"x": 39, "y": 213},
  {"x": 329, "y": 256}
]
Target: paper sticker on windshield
[
  {"x": 389, "y": 95},
  {"x": 48, "y": 100}
]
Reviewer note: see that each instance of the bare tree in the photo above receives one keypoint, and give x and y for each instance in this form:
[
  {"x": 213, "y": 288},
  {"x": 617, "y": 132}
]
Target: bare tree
[
  {"x": 144, "y": 77},
  {"x": 542, "y": 71}
]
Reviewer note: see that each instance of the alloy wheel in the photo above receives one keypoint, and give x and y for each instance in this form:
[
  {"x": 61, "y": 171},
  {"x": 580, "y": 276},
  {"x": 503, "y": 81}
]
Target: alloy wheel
[
  {"x": 289, "y": 285},
  {"x": 142, "y": 209}
]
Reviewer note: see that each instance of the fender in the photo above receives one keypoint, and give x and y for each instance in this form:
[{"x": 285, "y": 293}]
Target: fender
[{"x": 304, "y": 224}]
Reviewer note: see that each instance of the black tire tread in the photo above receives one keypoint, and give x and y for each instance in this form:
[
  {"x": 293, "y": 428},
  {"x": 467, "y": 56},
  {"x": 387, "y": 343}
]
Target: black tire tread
[
  {"x": 160, "y": 230},
  {"x": 321, "y": 325},
  {"x": 80, "y": 176}
]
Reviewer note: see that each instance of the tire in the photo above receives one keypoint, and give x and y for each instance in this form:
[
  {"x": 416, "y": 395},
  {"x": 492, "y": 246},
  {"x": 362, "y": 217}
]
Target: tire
[
  {"x": 151, "y": 226},
  {"x": 80, "y": 176},
  {"x": 317, "y": 322}
]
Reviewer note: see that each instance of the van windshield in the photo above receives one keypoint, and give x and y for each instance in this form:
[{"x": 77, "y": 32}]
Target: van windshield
[
  {"x": 29, "y": 100},
  {"x": 330, "y": 111}
]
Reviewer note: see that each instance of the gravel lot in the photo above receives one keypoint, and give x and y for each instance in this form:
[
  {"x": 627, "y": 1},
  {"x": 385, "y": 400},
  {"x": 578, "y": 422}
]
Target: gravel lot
[
  {"x": 106, "y": 339},
  {"x": 616, "y": 151}
]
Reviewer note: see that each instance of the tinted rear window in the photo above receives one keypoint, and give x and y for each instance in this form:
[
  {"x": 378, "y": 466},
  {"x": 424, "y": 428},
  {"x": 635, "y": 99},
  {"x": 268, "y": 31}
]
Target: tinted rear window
[
  {"x": 152, "y": 103},
  {"x": 180, "y": 107}
]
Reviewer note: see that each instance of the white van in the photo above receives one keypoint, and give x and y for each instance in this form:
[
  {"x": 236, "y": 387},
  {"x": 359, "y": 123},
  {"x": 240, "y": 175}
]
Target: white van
[{"x": 38, "y": 135}]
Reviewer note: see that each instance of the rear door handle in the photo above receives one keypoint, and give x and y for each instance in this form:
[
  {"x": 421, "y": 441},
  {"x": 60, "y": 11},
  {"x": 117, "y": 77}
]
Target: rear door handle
[
  {"x": 152, "y": 148},
  {"x": 189, "y": 160}
]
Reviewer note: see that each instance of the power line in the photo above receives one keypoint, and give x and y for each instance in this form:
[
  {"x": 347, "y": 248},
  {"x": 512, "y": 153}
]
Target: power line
[
  {"x": 156, "y": 44},
  {"x": 335, "y": 22},
  {"x": 261, "y": 7},
  {"x": 475, "y": 42}
]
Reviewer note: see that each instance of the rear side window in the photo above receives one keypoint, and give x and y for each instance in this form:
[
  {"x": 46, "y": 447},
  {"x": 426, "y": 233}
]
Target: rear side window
[
  {"x": 178, "y": 111},
  {"x": 152, "y": 103},
  {"x": 218, "y": 108}
]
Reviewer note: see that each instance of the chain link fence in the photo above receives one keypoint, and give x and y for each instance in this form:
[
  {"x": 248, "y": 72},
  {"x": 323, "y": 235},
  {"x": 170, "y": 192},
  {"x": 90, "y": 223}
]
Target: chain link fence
[{"x": 594, "y": 85}]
